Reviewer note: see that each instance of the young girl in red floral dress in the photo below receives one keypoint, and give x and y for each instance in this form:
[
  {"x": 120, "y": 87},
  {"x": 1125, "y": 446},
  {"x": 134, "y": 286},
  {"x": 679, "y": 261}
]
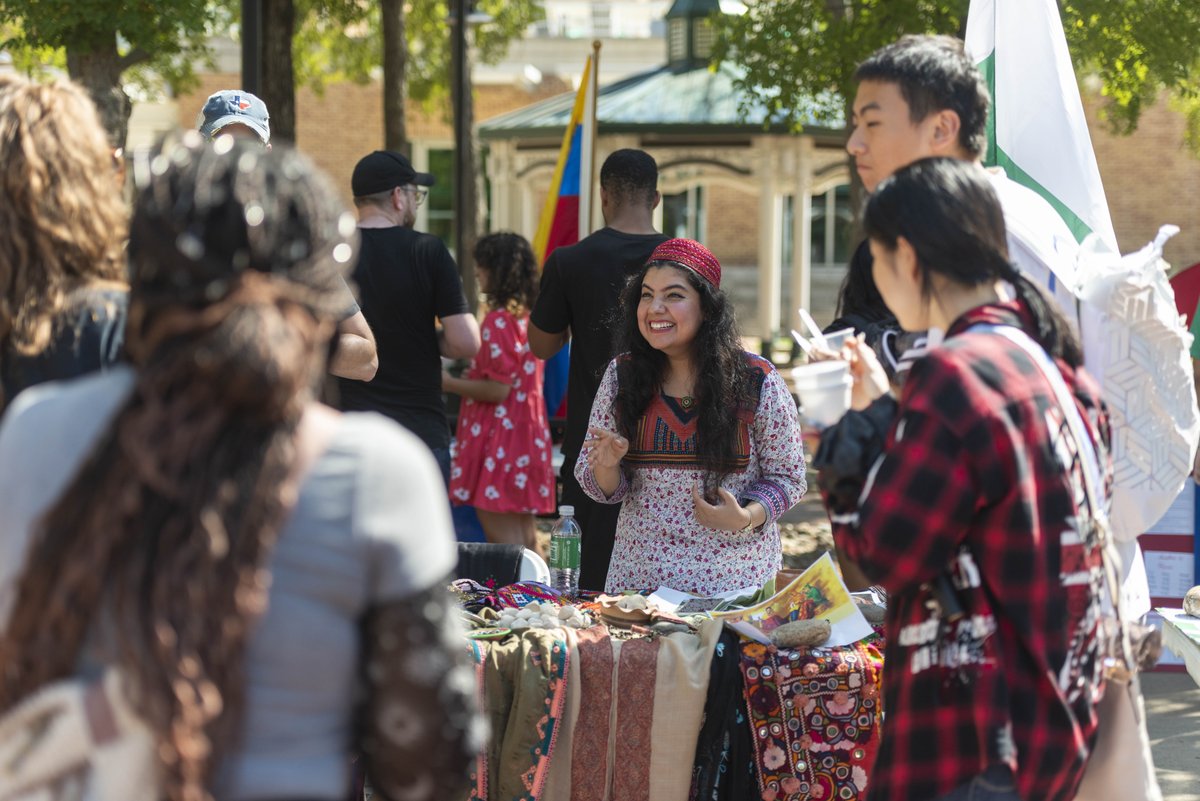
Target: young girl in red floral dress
[{"x": 502, "y": 463}]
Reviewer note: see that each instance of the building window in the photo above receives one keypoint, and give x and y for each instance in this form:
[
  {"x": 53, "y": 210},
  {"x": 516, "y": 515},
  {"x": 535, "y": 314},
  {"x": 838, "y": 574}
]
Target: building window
[
  {"x": 676, "y": 39},
  {"x": 439, "y": 206},
  {"x": 602, "y": 20},
  {"x": 703, "y": 39},
  {"x": 683, "y": 214},
  {"x": 831, "y": 221}
]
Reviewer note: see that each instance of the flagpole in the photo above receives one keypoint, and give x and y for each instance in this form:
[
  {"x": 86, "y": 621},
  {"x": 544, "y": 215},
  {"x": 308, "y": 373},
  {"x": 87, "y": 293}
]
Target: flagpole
[{"x": 591, "y": 177}]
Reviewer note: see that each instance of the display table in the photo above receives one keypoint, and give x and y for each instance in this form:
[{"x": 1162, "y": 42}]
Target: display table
[
  {"x": 589, "y": 716},
  {"x": 585, "y": 716},
  {"x": 1181, "y": 634}
]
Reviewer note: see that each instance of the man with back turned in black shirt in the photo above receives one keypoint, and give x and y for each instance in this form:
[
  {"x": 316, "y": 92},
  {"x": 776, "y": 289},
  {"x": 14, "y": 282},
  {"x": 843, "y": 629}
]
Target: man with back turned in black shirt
[{"x": 579, "y": 295}]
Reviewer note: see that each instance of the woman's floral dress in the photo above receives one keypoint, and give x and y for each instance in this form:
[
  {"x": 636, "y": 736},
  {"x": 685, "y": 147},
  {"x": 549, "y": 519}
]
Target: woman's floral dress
[{"x": 502, "y": 450}]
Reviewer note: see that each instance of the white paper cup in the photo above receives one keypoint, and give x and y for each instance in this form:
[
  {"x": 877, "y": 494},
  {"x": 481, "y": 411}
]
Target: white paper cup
[
  {"x": 835, "y": 339},
  {"x": 824, "y": 390}
]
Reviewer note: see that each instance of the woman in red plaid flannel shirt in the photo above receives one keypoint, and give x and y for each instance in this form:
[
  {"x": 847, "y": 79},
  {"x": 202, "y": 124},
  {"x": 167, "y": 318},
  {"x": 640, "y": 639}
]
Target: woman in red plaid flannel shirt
[{"x": 965, "y": 500}]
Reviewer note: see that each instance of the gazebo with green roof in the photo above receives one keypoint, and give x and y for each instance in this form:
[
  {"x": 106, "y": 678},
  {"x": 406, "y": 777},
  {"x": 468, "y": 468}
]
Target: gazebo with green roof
[{"x": 705, "y": 134}]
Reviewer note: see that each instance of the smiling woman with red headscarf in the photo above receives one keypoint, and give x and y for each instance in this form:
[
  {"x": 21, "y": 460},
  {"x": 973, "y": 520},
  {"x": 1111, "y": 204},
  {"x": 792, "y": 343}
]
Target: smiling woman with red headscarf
[{"x": 698, "y": 439}]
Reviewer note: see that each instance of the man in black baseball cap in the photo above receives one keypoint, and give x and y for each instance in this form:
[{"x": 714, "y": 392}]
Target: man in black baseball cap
[
  {"x": 408, "y": 281},
  {"x": 387, "y": 181}
]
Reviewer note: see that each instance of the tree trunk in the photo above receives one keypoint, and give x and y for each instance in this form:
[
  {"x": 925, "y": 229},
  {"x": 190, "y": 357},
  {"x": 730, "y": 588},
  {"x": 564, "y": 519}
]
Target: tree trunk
[
  {"x": 465, "y": 182},
  {"x": 395, "y": 63},
  {"x": 278, "y": 74},
  {"x": 99, "y": 72}
]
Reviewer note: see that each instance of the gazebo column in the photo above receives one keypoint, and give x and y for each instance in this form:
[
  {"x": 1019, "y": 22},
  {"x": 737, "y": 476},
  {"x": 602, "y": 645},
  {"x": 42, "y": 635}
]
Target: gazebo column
[
  {"x": 770, "y": 213},
  {"x": 801, "y": 289},
  {"x": 502, "y": 201}
]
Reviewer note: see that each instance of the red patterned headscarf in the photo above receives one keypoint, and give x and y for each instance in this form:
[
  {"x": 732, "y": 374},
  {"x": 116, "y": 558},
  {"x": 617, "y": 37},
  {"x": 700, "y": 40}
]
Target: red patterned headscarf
[{"x": 692, "y": 255}]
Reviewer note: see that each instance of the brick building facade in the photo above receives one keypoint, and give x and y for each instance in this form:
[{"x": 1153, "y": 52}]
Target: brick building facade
[{"x": 1150, "y": 177}]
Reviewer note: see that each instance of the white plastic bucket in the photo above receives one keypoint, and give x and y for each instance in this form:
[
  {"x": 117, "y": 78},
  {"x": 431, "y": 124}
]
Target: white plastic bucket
[{"x": 824, "y": 390}]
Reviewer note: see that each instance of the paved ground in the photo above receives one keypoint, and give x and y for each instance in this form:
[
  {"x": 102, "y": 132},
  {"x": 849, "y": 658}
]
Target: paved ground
[{"x": 1173, "y": 720}]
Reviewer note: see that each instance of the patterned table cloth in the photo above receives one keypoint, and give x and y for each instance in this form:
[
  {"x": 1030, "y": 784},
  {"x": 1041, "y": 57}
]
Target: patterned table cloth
[
  {"x": 583, "y": 716},
  {"x": 816, "y": 717}
]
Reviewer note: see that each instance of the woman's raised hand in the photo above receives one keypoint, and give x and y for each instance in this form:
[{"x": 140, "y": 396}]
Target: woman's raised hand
[
  {"x": 870, "y": 379},
  {"x": 605, "y": 449},
  {"x": 724, "y": 515}
]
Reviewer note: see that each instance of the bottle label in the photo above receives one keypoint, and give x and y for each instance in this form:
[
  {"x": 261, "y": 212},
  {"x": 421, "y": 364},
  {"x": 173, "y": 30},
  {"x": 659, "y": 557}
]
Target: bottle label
[{"x": 564, "y": 553}]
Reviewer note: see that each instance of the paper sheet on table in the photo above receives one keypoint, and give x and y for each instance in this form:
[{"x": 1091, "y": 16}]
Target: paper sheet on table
[
  {"x": 817, "y": 593},
  {"x": 1189, "y": 626},
  {"x": 669, "y": 600}
]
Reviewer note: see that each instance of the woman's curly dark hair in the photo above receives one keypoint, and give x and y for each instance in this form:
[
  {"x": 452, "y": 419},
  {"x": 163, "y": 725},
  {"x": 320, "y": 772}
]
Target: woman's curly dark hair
[
  {"x": 508, "y": 260},
  {"x": 724, "y": 383}
]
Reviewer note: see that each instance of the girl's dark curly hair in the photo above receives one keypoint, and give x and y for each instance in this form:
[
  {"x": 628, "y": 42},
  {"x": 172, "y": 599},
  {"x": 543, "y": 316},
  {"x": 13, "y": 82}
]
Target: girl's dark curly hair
[
  {"x": 508, "y": 260},
  {"x": 724, "y": 383}
]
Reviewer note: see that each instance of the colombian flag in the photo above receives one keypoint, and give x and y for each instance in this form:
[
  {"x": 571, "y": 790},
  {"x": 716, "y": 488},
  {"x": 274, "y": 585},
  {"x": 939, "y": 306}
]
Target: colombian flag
[{"x": 566, "y": 214}]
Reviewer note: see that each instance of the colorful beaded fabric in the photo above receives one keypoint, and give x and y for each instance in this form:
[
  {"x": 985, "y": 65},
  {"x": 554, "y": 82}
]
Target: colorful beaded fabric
[
  {"x": 816, "y": 716},
  {"x": 522, "y": 685}
]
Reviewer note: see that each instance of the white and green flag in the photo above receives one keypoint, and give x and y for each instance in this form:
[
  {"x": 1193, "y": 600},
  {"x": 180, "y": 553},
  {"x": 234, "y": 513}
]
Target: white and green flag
[{"x": 1037, "y": 130}]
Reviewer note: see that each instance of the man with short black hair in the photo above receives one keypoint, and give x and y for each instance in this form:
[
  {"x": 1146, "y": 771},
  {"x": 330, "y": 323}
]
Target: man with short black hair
[
  {"x": 579, "y": 295},
  {"x": 234, "y": 112},
  {"x": 918, "y": 97},
  {"x": 407, "y": 281},
  {"x": 922, "y": 96}
]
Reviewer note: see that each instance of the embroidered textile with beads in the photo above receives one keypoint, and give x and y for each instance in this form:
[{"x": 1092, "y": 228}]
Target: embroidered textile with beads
[
  {"x": 815, "y": 716},
  {"x": 523, "y": 684}
]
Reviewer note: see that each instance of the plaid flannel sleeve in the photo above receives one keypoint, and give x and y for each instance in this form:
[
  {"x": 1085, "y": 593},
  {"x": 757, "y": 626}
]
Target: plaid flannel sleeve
[{"x": 920, "y": 495}]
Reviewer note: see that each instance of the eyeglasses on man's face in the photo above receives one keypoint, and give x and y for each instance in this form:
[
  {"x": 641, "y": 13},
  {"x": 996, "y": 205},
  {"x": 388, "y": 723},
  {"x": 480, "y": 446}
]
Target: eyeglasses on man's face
[{"x": 418, "y": 193}]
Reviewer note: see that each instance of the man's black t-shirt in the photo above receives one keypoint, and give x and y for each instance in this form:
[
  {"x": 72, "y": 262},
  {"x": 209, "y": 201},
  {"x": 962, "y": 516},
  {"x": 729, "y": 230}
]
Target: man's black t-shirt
[
  {"x": 581, "y": 287},
  {"x": 405, "y": 280}
]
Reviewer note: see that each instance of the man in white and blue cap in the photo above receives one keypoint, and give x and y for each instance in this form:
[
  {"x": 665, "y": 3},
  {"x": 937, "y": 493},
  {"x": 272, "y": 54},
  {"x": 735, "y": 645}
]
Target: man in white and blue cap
[{"x": 235, "y": 112}]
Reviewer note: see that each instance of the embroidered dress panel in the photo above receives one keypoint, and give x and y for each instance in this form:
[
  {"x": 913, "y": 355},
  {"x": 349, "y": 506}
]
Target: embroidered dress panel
[{"x": 666, "y": 437}]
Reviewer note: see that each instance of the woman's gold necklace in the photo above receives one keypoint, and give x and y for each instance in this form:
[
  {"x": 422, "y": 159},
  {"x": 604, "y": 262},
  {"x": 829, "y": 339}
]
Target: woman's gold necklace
[{"x": 686, "y": 402}]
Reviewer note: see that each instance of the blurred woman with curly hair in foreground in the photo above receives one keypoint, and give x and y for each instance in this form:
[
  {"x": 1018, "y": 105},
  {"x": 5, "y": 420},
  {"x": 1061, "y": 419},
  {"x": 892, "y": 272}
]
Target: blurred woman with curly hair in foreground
[{"x": 268, "y": 575}]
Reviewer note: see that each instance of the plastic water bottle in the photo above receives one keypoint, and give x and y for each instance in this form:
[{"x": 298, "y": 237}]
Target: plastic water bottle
[{"x": 564, "y": 552}]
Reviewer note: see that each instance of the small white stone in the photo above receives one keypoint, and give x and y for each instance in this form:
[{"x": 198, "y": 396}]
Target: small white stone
[{"x": 1191, "y": 602}]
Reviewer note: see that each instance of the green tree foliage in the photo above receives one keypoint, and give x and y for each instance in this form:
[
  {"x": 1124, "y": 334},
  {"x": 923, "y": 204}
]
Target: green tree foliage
[
  {"x": 342, "y": 40},
  {"x": 800, "y": 55},
  {"x": 1138, "y": 48},
  {"x": 36, "y": 62},
  {"x": 106, "y": 43}
]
